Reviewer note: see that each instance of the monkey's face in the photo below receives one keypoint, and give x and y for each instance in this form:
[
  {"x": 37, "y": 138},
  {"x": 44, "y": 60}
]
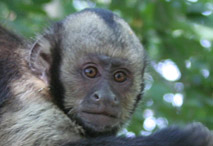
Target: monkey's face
[
  {"x": 94, "y": 65},
  {"x": 101, "y": 71},
  {"x": 96, "y": 91}
]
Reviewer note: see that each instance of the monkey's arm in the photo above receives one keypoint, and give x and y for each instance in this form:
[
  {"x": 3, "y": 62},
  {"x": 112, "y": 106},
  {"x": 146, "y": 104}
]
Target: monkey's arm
[{"x": 193, "y": 135}]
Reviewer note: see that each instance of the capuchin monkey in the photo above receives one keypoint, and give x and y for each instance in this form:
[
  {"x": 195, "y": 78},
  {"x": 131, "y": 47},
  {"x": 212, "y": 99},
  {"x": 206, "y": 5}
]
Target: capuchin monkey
[{"x": 77, "y": 85}]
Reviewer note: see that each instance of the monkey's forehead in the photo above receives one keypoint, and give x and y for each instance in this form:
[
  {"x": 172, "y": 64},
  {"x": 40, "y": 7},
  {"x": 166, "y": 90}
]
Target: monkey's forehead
[
  {"x": 97, "y": 23},
  {"x": 101, "y": 31}
]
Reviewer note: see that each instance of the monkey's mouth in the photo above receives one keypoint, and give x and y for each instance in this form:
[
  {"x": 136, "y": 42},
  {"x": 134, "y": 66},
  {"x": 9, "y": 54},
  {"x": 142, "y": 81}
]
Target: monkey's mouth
[
  {"x": 99, "y": 120},
  {"x": 101, "y": 114}
]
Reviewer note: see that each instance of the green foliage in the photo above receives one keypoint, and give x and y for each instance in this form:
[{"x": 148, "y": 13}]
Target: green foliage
[{"x": 179, "y": 30}]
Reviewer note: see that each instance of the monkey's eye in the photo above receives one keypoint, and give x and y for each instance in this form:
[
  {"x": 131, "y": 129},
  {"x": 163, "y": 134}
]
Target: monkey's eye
[
  {"x": 120, "y": 76},
  {"x": 91, "y": 72}
]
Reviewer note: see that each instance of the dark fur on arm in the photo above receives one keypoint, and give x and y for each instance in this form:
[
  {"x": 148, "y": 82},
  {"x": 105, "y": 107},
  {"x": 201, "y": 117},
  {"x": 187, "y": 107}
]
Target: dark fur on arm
[{"x": 193, "y": 135}]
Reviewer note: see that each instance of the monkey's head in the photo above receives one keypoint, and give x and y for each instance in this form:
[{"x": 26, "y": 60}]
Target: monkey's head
[{"x": 94, "y": 65}]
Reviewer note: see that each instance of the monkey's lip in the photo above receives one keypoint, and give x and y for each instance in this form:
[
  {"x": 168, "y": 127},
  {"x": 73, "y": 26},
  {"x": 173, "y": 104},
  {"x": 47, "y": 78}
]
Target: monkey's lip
[
  {"x": 103, "y": 113},
  {"x": 99, "y": 120}
]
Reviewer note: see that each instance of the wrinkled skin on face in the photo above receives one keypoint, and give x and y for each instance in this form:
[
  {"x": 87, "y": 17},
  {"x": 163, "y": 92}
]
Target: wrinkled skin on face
[
  {"x": 104, "y": 83},
  {"x": 100, "y": 90}
]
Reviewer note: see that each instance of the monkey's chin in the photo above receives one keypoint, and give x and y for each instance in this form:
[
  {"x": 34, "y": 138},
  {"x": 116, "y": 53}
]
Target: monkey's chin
[{"x": 99, "y": 123}]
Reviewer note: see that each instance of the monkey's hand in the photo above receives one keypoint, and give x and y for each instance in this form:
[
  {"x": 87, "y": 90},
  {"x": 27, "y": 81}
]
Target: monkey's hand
[
  {"x": 193, "y": 135},
  {"x": 200, "y": 134}
]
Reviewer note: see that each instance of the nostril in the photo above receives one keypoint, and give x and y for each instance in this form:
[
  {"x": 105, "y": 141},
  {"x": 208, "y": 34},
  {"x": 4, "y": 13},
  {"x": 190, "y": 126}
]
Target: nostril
[
  {"x": 116, "y": 100},
  {"x": 96, "y": 97}
]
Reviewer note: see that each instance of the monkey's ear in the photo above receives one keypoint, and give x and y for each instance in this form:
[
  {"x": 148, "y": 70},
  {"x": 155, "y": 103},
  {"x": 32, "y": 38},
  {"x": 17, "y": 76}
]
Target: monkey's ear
[{"x": 40, "y": 59}]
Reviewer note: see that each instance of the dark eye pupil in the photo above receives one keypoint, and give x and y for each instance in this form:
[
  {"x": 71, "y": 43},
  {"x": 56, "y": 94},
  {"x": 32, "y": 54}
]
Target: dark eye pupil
[
  {"x": 120, "y": 77},
  {"x": 90, "y": 72}
]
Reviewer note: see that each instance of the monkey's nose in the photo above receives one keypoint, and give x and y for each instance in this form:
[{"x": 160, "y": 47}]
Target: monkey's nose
[{"x": 99, "y": 97}]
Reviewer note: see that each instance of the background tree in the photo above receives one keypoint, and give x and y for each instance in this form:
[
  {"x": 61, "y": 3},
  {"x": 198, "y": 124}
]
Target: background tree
[{"x": 177, "y": 35}]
